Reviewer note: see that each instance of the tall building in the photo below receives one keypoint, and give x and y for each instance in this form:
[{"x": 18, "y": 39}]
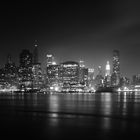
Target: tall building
[
  {"x": 107, "y": 78},
  {"x": 83, "y": 74},
  {"x": 107, "y": 69},
  {"x": 91, "y": 77},
  {"x": 36, "y": 69},
  {"x": 25, "y": 69},
  {"x": 136, "y": 79},
  {"x": 3, "y": 81},
  {"x": 50, "y": 59},
  {"x": 11, "y": 74},
  {"x": 69, "y": 75},
  {"x": 81, "y": 63},
  {"x": 52, "y": 76},
  {"x": 25, "y": 58},
  {"x": 99, "y": 80},
  {"x": 115, "y": 78}
]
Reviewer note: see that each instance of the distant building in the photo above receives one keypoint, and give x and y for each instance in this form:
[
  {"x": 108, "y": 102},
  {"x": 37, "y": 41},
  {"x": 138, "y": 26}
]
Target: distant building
[
  {"x": 25, "y": 58},
  {"x": 107, "y": 69},
  {"x": 83, "y": 77},
  {"x": 25, "y": 69},
  {"x": 83, "y": 74},
  {"x": 124, "y": 82},
  {"x": 99, "y": 79},
  {"x": 69, "y": 75},
  {"x": 11, "y": 73},
  {"x": 115, "y": 78},
  {"x": 107, "y": 79},
  {"x": 52, "y": 77},
  {"x": 50, "y": 59},
  {"x": 91, "y": 77},
  {"x": 136, "y": 79},
  {"x": 38, "y": 82},
  {"x": 3, "y": 81}
]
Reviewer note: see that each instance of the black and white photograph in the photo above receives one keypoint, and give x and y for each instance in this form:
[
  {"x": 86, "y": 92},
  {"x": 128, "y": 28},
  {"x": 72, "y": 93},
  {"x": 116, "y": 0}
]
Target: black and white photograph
[{"x": 70, "y": 70}]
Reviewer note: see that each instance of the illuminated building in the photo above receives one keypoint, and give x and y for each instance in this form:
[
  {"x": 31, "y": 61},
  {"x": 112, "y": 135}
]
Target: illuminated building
[
  {"x": 91, "y": 77},
  {"x": 25, "y": 69},
  {"x": 52, "y": 76},
  {"x": 8, "y": 75},
  {"x": 107, "y": 79},
  {"x": 99, "y": 80},
  {"x": 11, "y": 74},
  {"x": 69, "y": 75},
  {"x": 51, "y": 73},
  {"x": 81, "y": 64},
  {"x": 107, "y": 69},
  {"x": 136, "y": 79},
  {"x": 115, "y": 78},
  {"x": 124, "y": 82},
  {"x": 91, "y": 74},
  {"x": 83, "y": 74},
  {"x": 83, "y": 77},
  {"x": 36, "y": 69},
  {"x": 25, "y": 58},
  {"x": 50, "y": 59},
  {"x": 3, "y": 82}
]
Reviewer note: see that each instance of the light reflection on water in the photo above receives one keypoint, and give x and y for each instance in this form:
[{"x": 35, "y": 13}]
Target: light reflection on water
[{"x": 82, "y": 108}]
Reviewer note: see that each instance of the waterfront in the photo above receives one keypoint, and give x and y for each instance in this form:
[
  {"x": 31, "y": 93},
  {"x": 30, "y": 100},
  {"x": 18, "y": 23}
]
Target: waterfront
[{"x": 63, "y": 116}]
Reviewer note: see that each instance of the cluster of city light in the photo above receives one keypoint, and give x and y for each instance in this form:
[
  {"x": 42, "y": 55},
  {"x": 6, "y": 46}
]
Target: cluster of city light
[
  {"x": 10, "y": 89},
  {"x": 69, "y": 76},
  {"x": 135, "y": 88}
]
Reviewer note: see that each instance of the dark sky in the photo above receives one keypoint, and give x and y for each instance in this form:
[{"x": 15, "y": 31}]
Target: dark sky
[{"x": 74, "y": 31}]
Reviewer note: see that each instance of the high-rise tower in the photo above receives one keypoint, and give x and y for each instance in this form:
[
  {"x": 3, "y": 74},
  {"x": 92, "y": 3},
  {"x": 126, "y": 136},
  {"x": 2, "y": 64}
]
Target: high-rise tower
[
  {"x": 107, "y": 68},
  {"x": 116, "y": 68},
  {"x": 25, "y": 69},
  {"x": 25, "y": 58},
  {"x": 49, "y": 59},
  {"x": 116, "y": 62},
  {"x": 36, "y": 69}
]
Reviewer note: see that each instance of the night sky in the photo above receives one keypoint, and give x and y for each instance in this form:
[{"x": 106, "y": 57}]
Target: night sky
[{"x": 74, "y": 31}]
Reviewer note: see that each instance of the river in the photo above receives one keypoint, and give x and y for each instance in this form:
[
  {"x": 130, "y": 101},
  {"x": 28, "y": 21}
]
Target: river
[{"x": 70, "y": 116}]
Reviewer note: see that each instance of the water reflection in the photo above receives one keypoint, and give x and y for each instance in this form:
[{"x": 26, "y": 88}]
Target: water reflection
[
  {"x": 105, "y": 111},
  {"x": 106, "y": 103}
]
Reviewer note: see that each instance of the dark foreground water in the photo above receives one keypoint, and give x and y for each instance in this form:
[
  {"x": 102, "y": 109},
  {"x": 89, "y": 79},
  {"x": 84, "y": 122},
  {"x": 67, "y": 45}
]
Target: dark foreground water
[{"x": 70, "y": 116}]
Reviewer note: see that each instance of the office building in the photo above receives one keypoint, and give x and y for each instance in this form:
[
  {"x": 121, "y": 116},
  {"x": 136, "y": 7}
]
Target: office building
[
  {"x": 69, "y": 75},
  {"x": 115, "y": 78}
]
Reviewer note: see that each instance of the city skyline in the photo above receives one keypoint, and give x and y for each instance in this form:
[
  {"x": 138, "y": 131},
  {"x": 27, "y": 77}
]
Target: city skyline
[{"x": 73, "y": 32}]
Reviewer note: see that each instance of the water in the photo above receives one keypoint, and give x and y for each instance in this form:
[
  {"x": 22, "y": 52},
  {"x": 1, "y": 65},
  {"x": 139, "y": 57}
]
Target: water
[{"x": 73, "y": 116}]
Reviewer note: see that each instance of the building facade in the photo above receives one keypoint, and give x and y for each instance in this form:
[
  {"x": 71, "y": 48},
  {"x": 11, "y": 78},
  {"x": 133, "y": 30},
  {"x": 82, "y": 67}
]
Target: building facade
[
  {"x": 69, "y": 75},
  {"x": 115, "y": 78}
]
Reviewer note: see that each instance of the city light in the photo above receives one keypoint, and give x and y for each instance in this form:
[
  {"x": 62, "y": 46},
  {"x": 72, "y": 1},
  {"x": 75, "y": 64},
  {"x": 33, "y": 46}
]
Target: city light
[{"x": 69, "y": 76}]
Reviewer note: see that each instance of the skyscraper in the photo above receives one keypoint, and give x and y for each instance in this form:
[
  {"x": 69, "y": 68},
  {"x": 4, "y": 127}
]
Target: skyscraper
[
  {"x": 107, "y": 79},
  {"x": 99, "y": 78},
  {"x": 25, "y": 69},
  {"x": 83, "y": 74},
  {"x": 116, "y": 68},
  {"x": 25, "y": 58},
  {"x": 69, "y": 75},
  {"x": 50, "y": 59},
  {"x": 107, "y": 68},
  {"x": 10, "y": 71},
  {"x": 36, "y": 69}
]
